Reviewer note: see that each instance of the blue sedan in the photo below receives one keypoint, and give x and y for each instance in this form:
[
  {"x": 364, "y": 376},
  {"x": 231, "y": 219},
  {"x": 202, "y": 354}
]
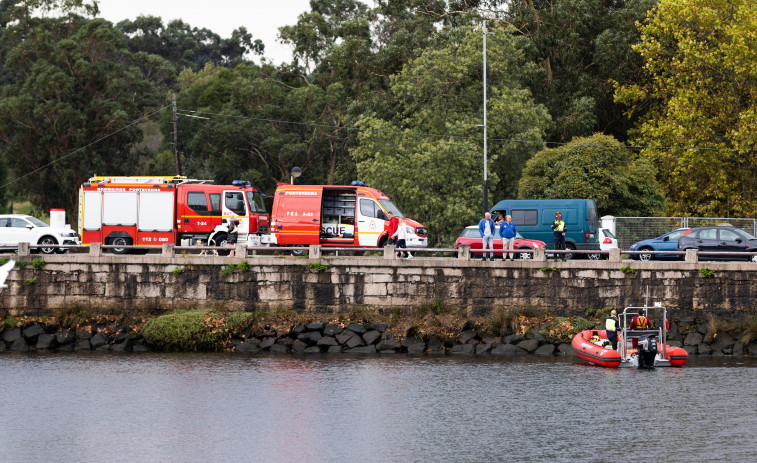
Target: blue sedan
[{"x": 666, "y": 242}]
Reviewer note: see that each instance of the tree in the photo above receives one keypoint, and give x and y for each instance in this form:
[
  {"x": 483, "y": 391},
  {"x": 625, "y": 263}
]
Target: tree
[
  {"x": 577, "y": 49},
  {"x": 599, "y": 168},
  {"x": 699, "y": 104},
  {"x": 72, "y": 90},
  {"x": 188, "y": 47},
  {"x": 429, "y": 157}
]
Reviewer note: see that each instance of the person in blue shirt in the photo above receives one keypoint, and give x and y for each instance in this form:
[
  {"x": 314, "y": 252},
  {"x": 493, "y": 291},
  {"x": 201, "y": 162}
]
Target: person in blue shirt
[
  {"x": 486, "y": 227},
  {"x": 507, "y": 231}
]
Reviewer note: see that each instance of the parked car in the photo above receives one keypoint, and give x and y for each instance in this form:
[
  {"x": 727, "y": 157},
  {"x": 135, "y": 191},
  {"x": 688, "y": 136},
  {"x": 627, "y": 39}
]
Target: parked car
[
  {"x": 17, "y": 228},
  {"x": 607, "y": 240},
  {"x": 666, "y": 242},
  {"x": 719, "y": 239},
  {"x": 471, "y": 237}
]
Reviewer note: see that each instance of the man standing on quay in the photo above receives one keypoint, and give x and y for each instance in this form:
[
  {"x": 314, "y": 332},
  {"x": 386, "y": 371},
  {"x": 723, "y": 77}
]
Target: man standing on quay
[
  {"x": 559, "y": 229},
  {"x": 486, "y": 228}
]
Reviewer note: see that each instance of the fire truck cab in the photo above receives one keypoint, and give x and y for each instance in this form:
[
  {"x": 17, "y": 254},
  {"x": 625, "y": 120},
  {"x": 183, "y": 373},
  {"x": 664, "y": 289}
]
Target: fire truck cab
[{"x": 152, "y": 211}]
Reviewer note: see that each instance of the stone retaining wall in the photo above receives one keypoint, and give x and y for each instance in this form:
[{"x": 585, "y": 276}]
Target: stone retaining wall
[{"x": 339, "y": 285}]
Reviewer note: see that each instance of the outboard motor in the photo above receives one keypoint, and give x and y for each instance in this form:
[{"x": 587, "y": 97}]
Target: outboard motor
[{"x": 647, "y": 350}]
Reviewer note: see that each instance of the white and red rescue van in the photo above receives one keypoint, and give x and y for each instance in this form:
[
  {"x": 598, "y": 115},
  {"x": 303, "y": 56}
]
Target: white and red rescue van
[
  {"x": 152, "y": 211},
  {"x": 336, "y": 215}
]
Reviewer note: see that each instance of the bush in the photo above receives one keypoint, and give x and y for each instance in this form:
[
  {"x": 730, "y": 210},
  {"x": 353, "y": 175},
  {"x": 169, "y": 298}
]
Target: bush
[
  {"x": 562, "y": 329},
  {"x": 194, "y": 330}
]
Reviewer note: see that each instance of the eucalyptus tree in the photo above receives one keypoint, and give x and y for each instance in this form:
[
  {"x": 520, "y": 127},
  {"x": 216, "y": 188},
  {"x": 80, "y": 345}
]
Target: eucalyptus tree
[{"x": 71, "y": 91}]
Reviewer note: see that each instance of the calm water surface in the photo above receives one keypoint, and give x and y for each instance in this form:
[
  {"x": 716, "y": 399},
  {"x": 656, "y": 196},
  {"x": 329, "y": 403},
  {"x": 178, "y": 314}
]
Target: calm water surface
[{"x": 176, "y": 408}]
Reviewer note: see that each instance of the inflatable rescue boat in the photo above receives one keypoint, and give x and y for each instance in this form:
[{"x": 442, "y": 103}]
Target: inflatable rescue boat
[{"x": 636, "y": 348}]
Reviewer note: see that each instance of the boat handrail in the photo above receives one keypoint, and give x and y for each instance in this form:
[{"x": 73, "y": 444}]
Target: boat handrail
[{"x": 660, "y": 331}]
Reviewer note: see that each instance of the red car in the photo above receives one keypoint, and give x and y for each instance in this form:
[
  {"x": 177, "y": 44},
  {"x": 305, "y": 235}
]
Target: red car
[{"x": 471, "y": 237}]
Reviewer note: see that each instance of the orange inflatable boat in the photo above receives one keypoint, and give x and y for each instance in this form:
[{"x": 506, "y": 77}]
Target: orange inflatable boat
[{"x": 640, "y": 348}]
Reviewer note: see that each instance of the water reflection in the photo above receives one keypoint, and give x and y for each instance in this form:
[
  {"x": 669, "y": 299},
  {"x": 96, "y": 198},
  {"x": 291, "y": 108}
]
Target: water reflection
[{"x": 341, "y": 408}]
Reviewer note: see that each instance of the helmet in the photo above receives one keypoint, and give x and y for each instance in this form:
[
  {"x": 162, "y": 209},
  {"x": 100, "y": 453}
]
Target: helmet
[{"x": 558, "y": 214}]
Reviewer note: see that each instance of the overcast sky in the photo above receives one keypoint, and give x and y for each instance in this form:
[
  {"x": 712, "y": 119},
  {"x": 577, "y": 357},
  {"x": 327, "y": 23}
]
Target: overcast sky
[{"x": 262, "y": 18}]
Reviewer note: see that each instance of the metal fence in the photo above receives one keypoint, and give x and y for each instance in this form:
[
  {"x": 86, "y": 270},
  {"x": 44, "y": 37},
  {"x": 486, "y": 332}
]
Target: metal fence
[{"x": 629, "y": 230}]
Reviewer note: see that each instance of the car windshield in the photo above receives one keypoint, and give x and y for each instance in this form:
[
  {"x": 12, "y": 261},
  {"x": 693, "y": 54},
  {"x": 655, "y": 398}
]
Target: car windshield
[
  {"x": 674, "y": 235},
  {"x": 36, "y": 222},
  {"x": 390, "y": 207},
  {"x": 745, "y": 234}
]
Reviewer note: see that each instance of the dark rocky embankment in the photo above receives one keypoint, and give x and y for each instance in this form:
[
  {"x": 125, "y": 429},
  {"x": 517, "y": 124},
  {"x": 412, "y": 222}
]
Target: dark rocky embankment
[{"x": 444, "y": 334}]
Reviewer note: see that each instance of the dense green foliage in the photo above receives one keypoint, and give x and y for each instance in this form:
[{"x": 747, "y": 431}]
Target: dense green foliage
[
  {"x": 391, "y": 92},
  {"x": 597, "y": 167},
  {"x": 700, "y": 99},
  {"x": 193, "y": 330}
]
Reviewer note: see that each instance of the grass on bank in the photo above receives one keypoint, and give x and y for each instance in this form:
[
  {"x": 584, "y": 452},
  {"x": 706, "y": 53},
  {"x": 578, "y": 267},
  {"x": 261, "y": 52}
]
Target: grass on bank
[{"x": 194, "y": 330}]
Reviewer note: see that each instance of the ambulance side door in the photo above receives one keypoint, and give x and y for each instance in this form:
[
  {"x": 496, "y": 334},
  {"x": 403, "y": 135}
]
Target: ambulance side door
[{"x": 370, "y": 221}]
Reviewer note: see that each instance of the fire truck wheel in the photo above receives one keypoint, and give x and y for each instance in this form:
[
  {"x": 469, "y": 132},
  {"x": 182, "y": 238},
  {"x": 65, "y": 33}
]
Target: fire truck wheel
[
  {"x": 47, "y": 240},
  {"x": 297, "y": 253},
  {"x": 220, "y": 240},
  {"x": 120, "y": 242}
]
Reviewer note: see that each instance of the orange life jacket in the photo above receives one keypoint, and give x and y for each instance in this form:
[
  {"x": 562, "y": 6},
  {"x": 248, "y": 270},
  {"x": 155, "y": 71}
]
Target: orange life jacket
[{"x": 640, "y": 323}]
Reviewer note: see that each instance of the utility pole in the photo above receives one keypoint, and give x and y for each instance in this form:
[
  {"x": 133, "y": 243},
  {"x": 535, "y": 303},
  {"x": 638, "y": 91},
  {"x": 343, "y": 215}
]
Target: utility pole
[
  {"x": 486, "y": 189},
  {"x": 176, "y": 137}
]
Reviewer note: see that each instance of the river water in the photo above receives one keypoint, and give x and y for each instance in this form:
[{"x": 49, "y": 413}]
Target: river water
[{"x": 225, "y": 407}]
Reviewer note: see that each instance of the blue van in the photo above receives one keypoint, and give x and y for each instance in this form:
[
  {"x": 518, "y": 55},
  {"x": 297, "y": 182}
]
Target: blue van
[{"x": 534, "y": 217}]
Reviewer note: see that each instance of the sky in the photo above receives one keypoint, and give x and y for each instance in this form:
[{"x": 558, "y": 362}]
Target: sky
[{"x": 262, "y": 18}]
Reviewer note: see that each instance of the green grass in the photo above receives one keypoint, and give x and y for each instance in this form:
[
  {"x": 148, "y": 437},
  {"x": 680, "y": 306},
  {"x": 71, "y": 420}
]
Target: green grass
[
  {"x": 228, "y": 269},
  {"x": 317, "y": 267},
  {"x": 178, "y": 271},
  {"x": 194, "y": 330},
  {"x": 706, "y": 273},
  {"x": 626, "y": 269},
  {"x": 244, "y": 266}
]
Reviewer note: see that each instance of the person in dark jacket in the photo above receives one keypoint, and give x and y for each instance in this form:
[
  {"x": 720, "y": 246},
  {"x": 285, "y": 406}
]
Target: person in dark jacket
[{"x": 233, "y": 233}]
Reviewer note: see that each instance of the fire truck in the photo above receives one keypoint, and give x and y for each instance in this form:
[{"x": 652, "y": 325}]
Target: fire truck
[{"x": 152, "y": 211}]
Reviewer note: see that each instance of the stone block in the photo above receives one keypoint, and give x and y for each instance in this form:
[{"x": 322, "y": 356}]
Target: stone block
[
  {"x": 19, "y": 345},
  {"x": 529, "y": 345},
  {"x": 312, "y": 350},
  {"x": 299, "y": 346},
  {"x": 693, "y": 339},
  {"x": 279, "y": 349},
  {"x": 354, "y": 341},
  {"x": 388, "y": 345},
  {"x": 344, "y": 336},
  {"x": 545, "y": 350},
  {"x": 10, "y": 336},
  {"x": 704, "y": 349},
  {"x": 361, "y": 350},
  {"x": 82, "y": 344},
  {"x": 268, "y": 342},
  {"x": 46, "y": 341},
  {"x": 327, "y": 341},
  {"x": 371, "y": 337},
  {"x": 508, "y": 350},
  {"x": 331, "y": 329},
  {"x": 31, "y": 333}
]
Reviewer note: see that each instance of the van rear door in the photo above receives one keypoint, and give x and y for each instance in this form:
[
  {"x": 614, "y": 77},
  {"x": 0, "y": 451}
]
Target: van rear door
[{"x": 296, "y": 216}]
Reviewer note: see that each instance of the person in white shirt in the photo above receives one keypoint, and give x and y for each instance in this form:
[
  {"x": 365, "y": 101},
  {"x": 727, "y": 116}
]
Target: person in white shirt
[{"x": 401, "y": 236}]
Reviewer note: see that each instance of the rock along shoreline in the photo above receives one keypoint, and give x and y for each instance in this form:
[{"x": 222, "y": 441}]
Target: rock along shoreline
[{"x": 346, "y": 337}]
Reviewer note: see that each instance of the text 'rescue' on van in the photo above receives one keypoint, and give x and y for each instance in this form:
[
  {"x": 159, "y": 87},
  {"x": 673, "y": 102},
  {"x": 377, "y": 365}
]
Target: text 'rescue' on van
[{"x": 333, "y": 215}]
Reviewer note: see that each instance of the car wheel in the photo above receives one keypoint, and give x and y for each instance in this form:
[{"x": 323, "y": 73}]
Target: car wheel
[
  {"x": 120, "y": 241},
  {"x": 594, "y": 256},
  {"x": 47, "y": 240},
  {"x": 524, "y": 255},
  {"x": 569, "y": 255},
  {"x": 752, "y": 259},
  {"x": 646, "y": 257}
]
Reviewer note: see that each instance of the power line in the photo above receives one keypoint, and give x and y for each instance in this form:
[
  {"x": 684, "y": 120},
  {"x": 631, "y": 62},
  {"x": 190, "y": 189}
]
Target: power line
[
  {"x": 185, "y": 112},
  {"x": 137, "y": 121}
]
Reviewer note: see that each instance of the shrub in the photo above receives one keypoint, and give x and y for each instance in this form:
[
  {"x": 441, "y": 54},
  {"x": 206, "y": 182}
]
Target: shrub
[
  {"x": 178, "y": 270},
  {"x": 72, "y": 316},
  {"x": 38, "y": 263},
  {"x": 194, "y": 330},
  {"x": 706, "y": 273},
  {"x": 562, "y": 329},
  {"x": 627, "y": 269},
  {"x": 317, "y": 267},
  {"x": 228, "y": 269},
  {"x": 243, "y": 266},
  {"x": 549, "y": 269}
]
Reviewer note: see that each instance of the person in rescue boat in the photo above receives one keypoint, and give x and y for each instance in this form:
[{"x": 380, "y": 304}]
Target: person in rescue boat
[
  {"x": 486, "y": 228},
  {"x": 641, "y": 322},
  {"x": 393, "y": 223},
  {"x": 611, "y": 327},
  {"x": 559, "y": 234}
]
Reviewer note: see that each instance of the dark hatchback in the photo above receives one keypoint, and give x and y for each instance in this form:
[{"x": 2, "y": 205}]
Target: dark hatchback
[{"x": 719, "y": 239}]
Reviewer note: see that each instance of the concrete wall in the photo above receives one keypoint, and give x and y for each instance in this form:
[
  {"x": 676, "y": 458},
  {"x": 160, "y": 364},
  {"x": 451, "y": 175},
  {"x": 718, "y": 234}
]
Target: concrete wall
[{"x": 109, "y": 282}]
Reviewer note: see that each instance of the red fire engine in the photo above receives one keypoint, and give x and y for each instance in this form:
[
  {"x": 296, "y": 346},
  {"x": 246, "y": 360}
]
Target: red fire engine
[{"x": 152, "y": 211}]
